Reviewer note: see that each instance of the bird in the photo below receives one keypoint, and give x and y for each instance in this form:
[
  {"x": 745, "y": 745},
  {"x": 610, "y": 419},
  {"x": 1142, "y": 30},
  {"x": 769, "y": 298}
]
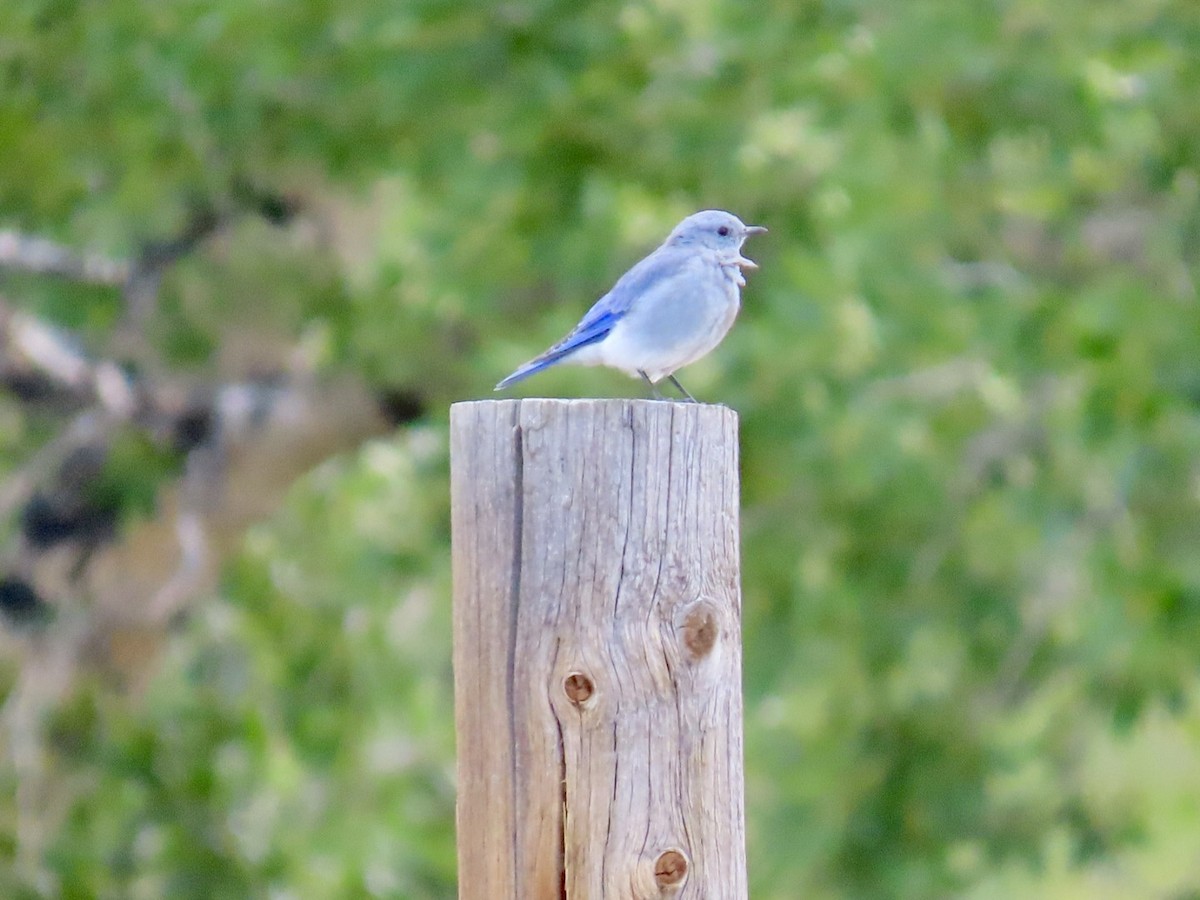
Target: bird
[{"x": 669, "y": 310}]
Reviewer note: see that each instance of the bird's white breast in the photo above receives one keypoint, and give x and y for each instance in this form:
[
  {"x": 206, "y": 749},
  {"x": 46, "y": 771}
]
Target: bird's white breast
[{"x": 677, "y": 325}]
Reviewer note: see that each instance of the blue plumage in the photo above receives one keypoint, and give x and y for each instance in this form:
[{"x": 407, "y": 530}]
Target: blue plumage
[{"x": 670, "y": 309}]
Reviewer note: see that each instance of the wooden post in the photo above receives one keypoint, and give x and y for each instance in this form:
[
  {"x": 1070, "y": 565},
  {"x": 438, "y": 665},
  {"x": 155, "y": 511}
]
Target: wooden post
[{"x": 597, "y": 650}]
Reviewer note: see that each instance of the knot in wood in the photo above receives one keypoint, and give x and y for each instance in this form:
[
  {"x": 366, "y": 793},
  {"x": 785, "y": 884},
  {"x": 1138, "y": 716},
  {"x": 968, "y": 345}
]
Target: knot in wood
[
  {"x": 579, "y": 688},
  {"x": 700, "y": 629},
  {"x": 670, "y": 869}
]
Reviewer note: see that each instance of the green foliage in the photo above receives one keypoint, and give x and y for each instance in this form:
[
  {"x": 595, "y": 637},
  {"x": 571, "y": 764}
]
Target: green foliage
[
  {"x": 300, "y": 739},
  {"x": 967, "y": 376},
  {"x": 132, "y": 469}
]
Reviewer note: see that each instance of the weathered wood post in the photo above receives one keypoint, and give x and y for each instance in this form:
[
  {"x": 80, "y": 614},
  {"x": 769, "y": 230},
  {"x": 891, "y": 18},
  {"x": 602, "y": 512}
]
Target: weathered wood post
[{"x": 597, "y": 650}]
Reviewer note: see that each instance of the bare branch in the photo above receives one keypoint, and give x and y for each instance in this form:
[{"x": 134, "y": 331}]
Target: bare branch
[
  {"x": 40, "y": 256},
  {"x": 18, "y": 486},
  {"x": 42, "y": 362}
]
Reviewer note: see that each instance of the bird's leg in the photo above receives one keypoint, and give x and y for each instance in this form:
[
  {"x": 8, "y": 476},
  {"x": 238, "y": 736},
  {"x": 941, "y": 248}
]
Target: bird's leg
[
  {"x": 682, "y": 389},
  {"x": 653, "y": 389}
]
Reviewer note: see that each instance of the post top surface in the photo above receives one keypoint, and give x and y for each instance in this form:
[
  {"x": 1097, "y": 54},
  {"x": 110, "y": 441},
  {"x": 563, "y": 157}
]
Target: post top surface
[
  {"x": 595, "y": 402},
  {"x": 549, "y": 409}
]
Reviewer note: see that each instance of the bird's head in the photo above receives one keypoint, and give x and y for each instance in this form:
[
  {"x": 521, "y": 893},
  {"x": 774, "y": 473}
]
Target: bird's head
[{"x": 716, "y": 230}]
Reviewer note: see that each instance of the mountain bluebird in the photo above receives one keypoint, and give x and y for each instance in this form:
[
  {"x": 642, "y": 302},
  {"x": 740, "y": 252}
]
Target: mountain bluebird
[{"x": 667, "y": 311}]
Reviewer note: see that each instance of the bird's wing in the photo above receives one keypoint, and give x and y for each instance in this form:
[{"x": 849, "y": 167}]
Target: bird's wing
[{"x": 662, "y": 266}]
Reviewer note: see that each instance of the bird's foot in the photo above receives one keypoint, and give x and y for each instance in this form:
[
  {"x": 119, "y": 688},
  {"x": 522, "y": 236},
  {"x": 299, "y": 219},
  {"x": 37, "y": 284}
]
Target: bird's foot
[
  {"x": 682, "y": 389},
  {"x": 655, "y": 394}
]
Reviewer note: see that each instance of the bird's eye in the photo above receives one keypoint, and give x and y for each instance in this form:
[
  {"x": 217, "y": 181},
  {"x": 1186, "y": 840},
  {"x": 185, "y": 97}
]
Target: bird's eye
[{"x": 723, "y": 231}]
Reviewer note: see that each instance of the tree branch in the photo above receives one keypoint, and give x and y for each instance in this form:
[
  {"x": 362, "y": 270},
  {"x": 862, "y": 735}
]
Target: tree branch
[{"x": 40, "y": 256}]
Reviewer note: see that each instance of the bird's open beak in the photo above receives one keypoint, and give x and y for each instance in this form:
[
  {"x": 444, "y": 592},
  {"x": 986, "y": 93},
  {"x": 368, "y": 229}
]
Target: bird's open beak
[{"x": 741, "y": 260}]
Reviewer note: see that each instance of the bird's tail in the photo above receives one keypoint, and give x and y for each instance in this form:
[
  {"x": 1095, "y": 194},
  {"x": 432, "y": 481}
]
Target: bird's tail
[
  {"x": 581, "y": 337},
  {"x": 547, "y": 359}
]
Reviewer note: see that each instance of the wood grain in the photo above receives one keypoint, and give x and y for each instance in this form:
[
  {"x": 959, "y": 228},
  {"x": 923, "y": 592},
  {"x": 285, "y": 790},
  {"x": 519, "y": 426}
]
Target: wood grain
[{"x": 597, "y": 650}]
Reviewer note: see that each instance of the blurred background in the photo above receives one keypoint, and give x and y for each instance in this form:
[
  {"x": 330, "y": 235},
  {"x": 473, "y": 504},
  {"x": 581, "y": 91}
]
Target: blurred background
[{"x": 251, "y": 251}]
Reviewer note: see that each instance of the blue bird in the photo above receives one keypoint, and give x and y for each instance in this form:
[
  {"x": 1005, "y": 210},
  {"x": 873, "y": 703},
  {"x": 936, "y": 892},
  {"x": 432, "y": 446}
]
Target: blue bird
[{"x": 669, "y": 310}]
